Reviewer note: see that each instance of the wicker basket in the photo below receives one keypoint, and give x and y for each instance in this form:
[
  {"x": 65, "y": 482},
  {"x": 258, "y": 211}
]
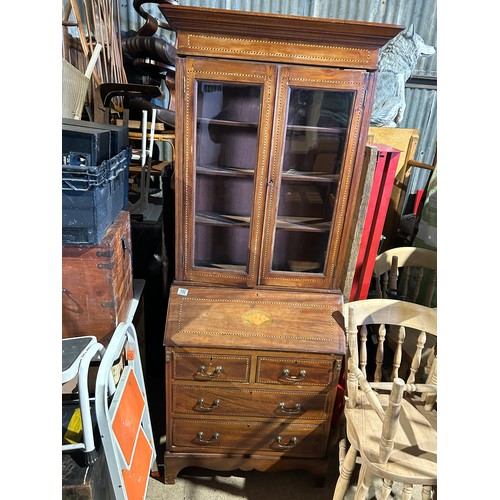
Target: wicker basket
[{"x": 75, "y": 86}]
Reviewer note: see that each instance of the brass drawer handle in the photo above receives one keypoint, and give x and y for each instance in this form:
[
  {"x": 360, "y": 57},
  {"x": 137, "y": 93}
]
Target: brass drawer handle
[
  {"x": 202, "y": 372},
  {"x": 199, "y": 436},
  {"x": 285, "y": 374},
  {"x": 199, "y": 405},
  {"x": 291, "y": 443},
  {"x": 295, "y": 410}
]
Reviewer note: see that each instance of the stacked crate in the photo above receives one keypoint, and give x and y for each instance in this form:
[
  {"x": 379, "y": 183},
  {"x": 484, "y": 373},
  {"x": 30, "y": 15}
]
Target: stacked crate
[
  {"x": 96, "y": 235},
  {"x": 95, "y": 162}
]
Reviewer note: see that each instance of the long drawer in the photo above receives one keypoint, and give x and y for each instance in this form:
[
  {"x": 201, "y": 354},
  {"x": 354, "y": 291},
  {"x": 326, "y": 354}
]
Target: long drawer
[
  {"x": 221, "y": 400},
  {"x": 264, "y": 437}
]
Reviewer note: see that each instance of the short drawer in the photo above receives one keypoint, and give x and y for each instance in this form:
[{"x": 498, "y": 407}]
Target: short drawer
[
  {"x": 191, "y": 400},
  {"x": 211, "y": 367},
  {"x": 300, "y": 372},
  {"x": 299, "y": 440}
]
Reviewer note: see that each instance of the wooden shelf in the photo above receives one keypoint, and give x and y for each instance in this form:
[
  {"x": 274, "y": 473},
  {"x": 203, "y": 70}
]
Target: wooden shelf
[
  {"x": 311, "y": 128},
  {"x": 228, "y": 123},
  {"x": 296, "y": 175},
  {"x": 224, "y": 171},
  {"x": 289, "y": 175},
  {"x": 306, "y": 224}
]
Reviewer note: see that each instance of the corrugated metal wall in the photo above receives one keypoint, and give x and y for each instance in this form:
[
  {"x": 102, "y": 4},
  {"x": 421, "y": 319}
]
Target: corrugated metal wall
[{"x": 420, "y": 99}]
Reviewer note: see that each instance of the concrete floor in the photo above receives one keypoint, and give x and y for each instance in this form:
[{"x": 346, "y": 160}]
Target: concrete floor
[
  {"x": 253, "y": 485},
  {"x": 202, "y": 484}
]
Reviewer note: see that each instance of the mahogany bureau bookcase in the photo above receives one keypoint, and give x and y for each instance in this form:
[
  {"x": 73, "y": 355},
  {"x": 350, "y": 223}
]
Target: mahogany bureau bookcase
[{"x": 270, "y": 134}]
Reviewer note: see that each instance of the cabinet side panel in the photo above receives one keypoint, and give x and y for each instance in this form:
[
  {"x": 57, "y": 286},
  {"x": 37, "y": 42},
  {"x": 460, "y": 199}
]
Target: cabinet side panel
[
  {"x": 182, "y": 157},
  {"x": 353, "y": 185},
  {"x": 350, "y": 268},
  {"x": 169, "y": 357}
]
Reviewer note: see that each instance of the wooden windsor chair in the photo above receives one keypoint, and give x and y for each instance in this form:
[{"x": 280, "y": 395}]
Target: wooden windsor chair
[
  {"x": 398, "y": 273},
  {"x": 409, "y": 274},
  {"x": 390, "y": 414}
]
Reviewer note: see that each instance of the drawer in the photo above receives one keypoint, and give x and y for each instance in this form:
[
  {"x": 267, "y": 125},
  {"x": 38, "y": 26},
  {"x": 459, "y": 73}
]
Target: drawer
[
  {"x": 204, "y": 367},
  {"x": 296, "y": 371},
  {"x": 292, "y": 439},
  {"x": 207, "y": 400}
]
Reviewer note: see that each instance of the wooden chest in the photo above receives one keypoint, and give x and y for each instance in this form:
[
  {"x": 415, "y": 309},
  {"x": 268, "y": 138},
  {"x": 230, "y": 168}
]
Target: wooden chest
[
  {"x": 97, "y": 283},
  {"x": 251, "y": 378}
]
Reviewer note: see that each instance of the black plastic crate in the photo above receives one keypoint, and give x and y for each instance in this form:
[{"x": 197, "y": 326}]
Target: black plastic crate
[{"x": 92, "y": 197}]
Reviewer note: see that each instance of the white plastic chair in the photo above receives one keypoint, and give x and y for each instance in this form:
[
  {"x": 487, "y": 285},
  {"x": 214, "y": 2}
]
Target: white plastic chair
[{"x": 77, "y": 353}]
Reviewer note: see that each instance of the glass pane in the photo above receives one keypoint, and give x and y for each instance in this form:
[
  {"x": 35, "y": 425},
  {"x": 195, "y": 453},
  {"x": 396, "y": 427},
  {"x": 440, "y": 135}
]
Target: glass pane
[
  {"x": 227, "y": 139},
  {"x": 317, "y": 126}
]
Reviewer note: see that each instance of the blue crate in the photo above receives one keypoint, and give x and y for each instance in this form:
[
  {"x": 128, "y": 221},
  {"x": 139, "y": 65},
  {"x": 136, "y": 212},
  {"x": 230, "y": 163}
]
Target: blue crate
[{"x": 92, "y": 197}]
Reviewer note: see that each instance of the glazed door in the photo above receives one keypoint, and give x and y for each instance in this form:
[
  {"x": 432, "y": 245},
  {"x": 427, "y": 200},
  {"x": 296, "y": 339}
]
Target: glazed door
[
  {"x": 228, "y": 117},
  {"x": 318, "y": 115}
]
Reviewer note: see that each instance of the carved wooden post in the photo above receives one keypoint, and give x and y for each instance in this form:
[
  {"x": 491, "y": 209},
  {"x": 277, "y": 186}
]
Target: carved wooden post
[
  {"x": 363, "y": 355},
  {"x": 404, "y": 284},
  {"x": 398, "y": 353},
  {"x": 379, "y": 358},
  {"x": 430, "y": 399},
  {"x": 385, "y": 493},
  {"x": 393, "y": 275},
  {"x": 407, "y": 492},
  {"x": 415, "y": 364},
  {"x": 431, "y": 287},
  {"x": 426, "y": 492},
  {"x": 418, "y": 274},
  {"x": 353, "y": 359},
  {"x": 391, "y": 420}
]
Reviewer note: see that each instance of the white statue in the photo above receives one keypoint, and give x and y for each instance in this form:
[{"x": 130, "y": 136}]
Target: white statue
[{"x": 397, "y": 60}]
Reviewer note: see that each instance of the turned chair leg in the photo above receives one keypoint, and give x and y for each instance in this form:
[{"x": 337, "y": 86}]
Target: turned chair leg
[
  {"x": 407, "y": 491},
  {"x": 426, "y": 492},
  {"x": 365, "y": 479},
  {"x": 342, "y": 452},
  {"x": 385, "y": 494},
  {"x": 345, "y": 474}
]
